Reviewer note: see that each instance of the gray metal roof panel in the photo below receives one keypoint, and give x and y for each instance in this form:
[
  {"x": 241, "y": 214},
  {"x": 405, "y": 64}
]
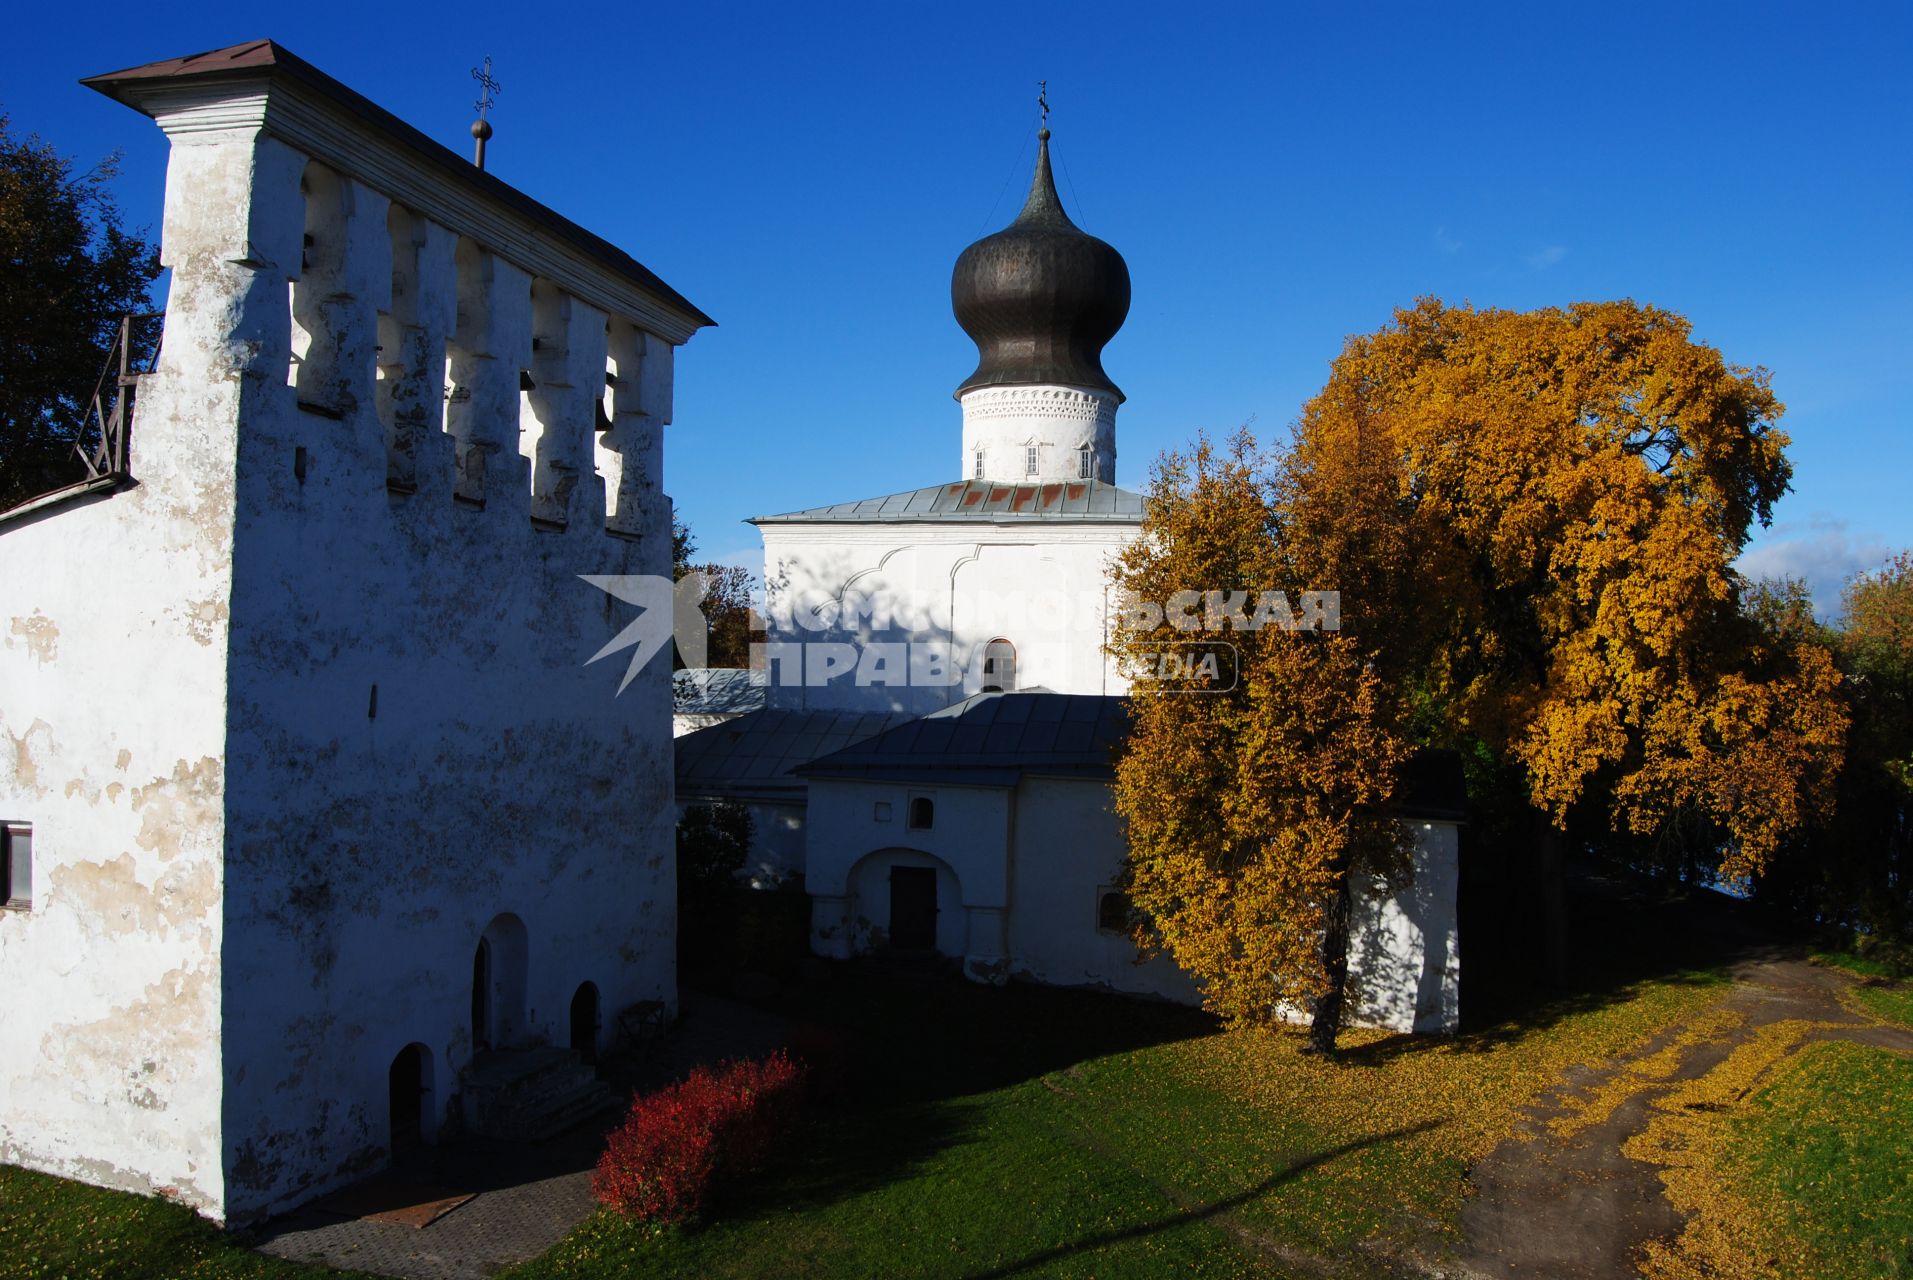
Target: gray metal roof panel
[
  {"x": 762, "y": 747},
  {"x": 1015, "y": 732},
  {"x": 981, "y": 502}
]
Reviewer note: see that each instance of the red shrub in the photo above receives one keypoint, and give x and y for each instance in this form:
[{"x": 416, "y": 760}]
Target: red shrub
[{"x": 686, "y": 1139}]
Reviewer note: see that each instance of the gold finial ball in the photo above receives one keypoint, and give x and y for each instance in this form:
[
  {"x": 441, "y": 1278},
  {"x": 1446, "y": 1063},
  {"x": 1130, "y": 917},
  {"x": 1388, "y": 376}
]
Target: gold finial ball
[{"x": 482, "y": 130}]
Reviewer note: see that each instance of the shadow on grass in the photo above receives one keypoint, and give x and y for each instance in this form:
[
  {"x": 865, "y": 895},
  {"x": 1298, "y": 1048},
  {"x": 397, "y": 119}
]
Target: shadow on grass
[
  {"x": 1203, "y": 1213},
  {"x": 897, "y": 1048}
]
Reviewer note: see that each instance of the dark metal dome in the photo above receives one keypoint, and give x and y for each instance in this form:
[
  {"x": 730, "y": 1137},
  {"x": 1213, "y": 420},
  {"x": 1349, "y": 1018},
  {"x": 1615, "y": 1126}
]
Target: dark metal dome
[{"x": 1041, "y": 297}]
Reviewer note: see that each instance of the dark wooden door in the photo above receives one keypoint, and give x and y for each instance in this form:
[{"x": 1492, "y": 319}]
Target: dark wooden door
[{"x": 913, "y": 908}]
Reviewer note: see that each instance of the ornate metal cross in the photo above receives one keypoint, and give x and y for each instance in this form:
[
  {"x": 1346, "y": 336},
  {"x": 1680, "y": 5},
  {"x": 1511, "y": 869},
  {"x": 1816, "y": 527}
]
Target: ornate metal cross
[{"x": 487, "y": 87}]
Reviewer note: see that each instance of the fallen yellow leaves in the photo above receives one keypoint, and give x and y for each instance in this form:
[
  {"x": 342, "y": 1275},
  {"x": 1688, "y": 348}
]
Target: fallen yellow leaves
[
  {"x": 1655, "y": 1068},
  {"x": 1726, "y": 1237}
]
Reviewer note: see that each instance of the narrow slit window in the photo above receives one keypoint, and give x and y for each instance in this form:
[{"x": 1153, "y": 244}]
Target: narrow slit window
[
  {"x": 1082, "y": 463},
  {"x": 16, "y": 864},
  {"x": 1029, "y": 460},
  {"x": 978, "y": 470}
]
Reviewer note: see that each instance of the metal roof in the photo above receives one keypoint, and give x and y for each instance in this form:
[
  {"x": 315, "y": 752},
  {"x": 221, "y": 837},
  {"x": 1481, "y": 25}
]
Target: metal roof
[
  {"x": 241, "y": 61},
  {"x": 991, "y": 739},
  {"x": 755, "y": 753},
  {"x": 982, "y": 502},
  {"x": 1041, "y": 297}
]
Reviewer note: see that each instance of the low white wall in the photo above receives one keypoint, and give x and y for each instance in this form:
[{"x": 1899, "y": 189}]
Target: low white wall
[
  {"x": 968, "y": 833},
  {"x": 1069, "y": 846},
  {"x": 1404, "y": 954}
]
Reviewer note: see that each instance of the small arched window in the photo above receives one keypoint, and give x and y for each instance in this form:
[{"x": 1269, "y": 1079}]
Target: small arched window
[
  {"x": 1083, "y": 460},
  {"x": 923, "y": 813},
  {"x": 999, "y": 667},
  {"x": 1112, "y": 911}
]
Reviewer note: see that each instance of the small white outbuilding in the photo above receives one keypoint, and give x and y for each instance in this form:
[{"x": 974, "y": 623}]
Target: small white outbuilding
[{"x": 987, "y": 832}]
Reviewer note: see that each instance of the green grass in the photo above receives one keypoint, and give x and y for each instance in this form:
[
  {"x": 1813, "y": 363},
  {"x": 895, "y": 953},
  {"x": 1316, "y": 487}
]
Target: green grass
[
  {"x": 1821, "y": 1154},
  {"x": 1885, "y": 989},
  {"x": 1049, "y": 1134},
  {"x": 53, "y": 1229}
]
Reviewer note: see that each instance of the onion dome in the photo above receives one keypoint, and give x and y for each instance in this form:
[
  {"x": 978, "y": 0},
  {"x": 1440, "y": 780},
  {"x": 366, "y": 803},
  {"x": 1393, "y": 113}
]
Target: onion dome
[{"x": 1041, "y": 297}]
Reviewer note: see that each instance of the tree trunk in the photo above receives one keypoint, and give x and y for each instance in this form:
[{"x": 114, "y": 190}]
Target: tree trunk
[
  {"x": 1327, "y": 1022},
  {"x": 1551, "y": 892}
]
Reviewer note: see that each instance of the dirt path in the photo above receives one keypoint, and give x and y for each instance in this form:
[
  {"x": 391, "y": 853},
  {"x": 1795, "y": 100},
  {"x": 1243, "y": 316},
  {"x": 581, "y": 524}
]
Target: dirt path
[{"x": 1561, "y": 1199}]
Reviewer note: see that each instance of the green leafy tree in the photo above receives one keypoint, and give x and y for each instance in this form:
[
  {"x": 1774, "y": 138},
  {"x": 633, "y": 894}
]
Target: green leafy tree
[{"x": 69, "y": 271}]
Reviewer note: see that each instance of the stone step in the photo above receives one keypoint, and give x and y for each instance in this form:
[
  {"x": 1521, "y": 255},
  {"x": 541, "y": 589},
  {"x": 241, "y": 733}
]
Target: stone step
[
  {"x": 553, "y": 1116},
  {"x": 531, "y": 1094}
]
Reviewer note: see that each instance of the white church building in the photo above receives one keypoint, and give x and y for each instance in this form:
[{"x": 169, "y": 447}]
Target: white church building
[
  {"x": 320, "y": 833},
  {"x": 935, "y": 754}
]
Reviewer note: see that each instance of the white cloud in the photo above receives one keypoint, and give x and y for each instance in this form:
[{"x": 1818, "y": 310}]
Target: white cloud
[
  {"x": 1546, "y": 256},
  {"x": 1823, "y": 551},
  {"x": 1446, "y": 243}
]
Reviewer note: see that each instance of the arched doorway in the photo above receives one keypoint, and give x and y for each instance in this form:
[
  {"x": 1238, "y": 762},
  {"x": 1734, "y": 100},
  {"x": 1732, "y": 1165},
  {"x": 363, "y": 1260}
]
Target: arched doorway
[
  {"x": 907, "y": 902},
  {"x": 999, "y": 667},
  {"x": 482, "y": 996},
  {"x": 498, "y": 984},
  {"x": 584, "y": 1022},
  {"x": 408, "y": 1099}
]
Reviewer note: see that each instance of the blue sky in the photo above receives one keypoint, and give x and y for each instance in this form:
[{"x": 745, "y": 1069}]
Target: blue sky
[{"x": 1278, "y": 176}]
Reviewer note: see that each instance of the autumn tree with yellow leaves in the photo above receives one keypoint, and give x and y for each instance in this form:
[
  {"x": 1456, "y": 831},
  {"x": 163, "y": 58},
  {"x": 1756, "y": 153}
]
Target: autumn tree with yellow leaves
[
  {"x": 1531, "y": 518},
  {"x": 1256, "y": 792}
]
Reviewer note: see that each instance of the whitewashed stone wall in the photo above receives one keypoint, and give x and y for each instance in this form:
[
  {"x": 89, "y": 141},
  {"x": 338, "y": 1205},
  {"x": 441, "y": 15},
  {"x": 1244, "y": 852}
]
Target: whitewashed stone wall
[
  {"x": 1003, "y": 424},
  {"x": 928, "y": 588},
  {"x": 851, "y": 851},
  {"x": 305, "y": 712}
]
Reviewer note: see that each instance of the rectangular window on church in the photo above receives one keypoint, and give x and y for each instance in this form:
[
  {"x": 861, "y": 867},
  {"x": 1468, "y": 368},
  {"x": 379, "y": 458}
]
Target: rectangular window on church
[
  {"x": 16, "y": 864},
  {"x": 978, "y": 473},
  {"x": 1029, "y": 461},
  {"x": 1082, "y": 463}
]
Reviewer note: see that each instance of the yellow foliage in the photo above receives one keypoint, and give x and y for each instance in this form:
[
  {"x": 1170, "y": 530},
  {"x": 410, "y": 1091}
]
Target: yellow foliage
[
  {"x": 1248, "y": 810},
  {"x": 1531, "y": 519},
  {"x": 1575, "y": 485}
]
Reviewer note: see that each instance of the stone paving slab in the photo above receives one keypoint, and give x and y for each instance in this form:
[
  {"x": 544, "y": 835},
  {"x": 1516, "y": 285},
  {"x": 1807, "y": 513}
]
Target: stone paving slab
[{"x": 486, "y": 1234}]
